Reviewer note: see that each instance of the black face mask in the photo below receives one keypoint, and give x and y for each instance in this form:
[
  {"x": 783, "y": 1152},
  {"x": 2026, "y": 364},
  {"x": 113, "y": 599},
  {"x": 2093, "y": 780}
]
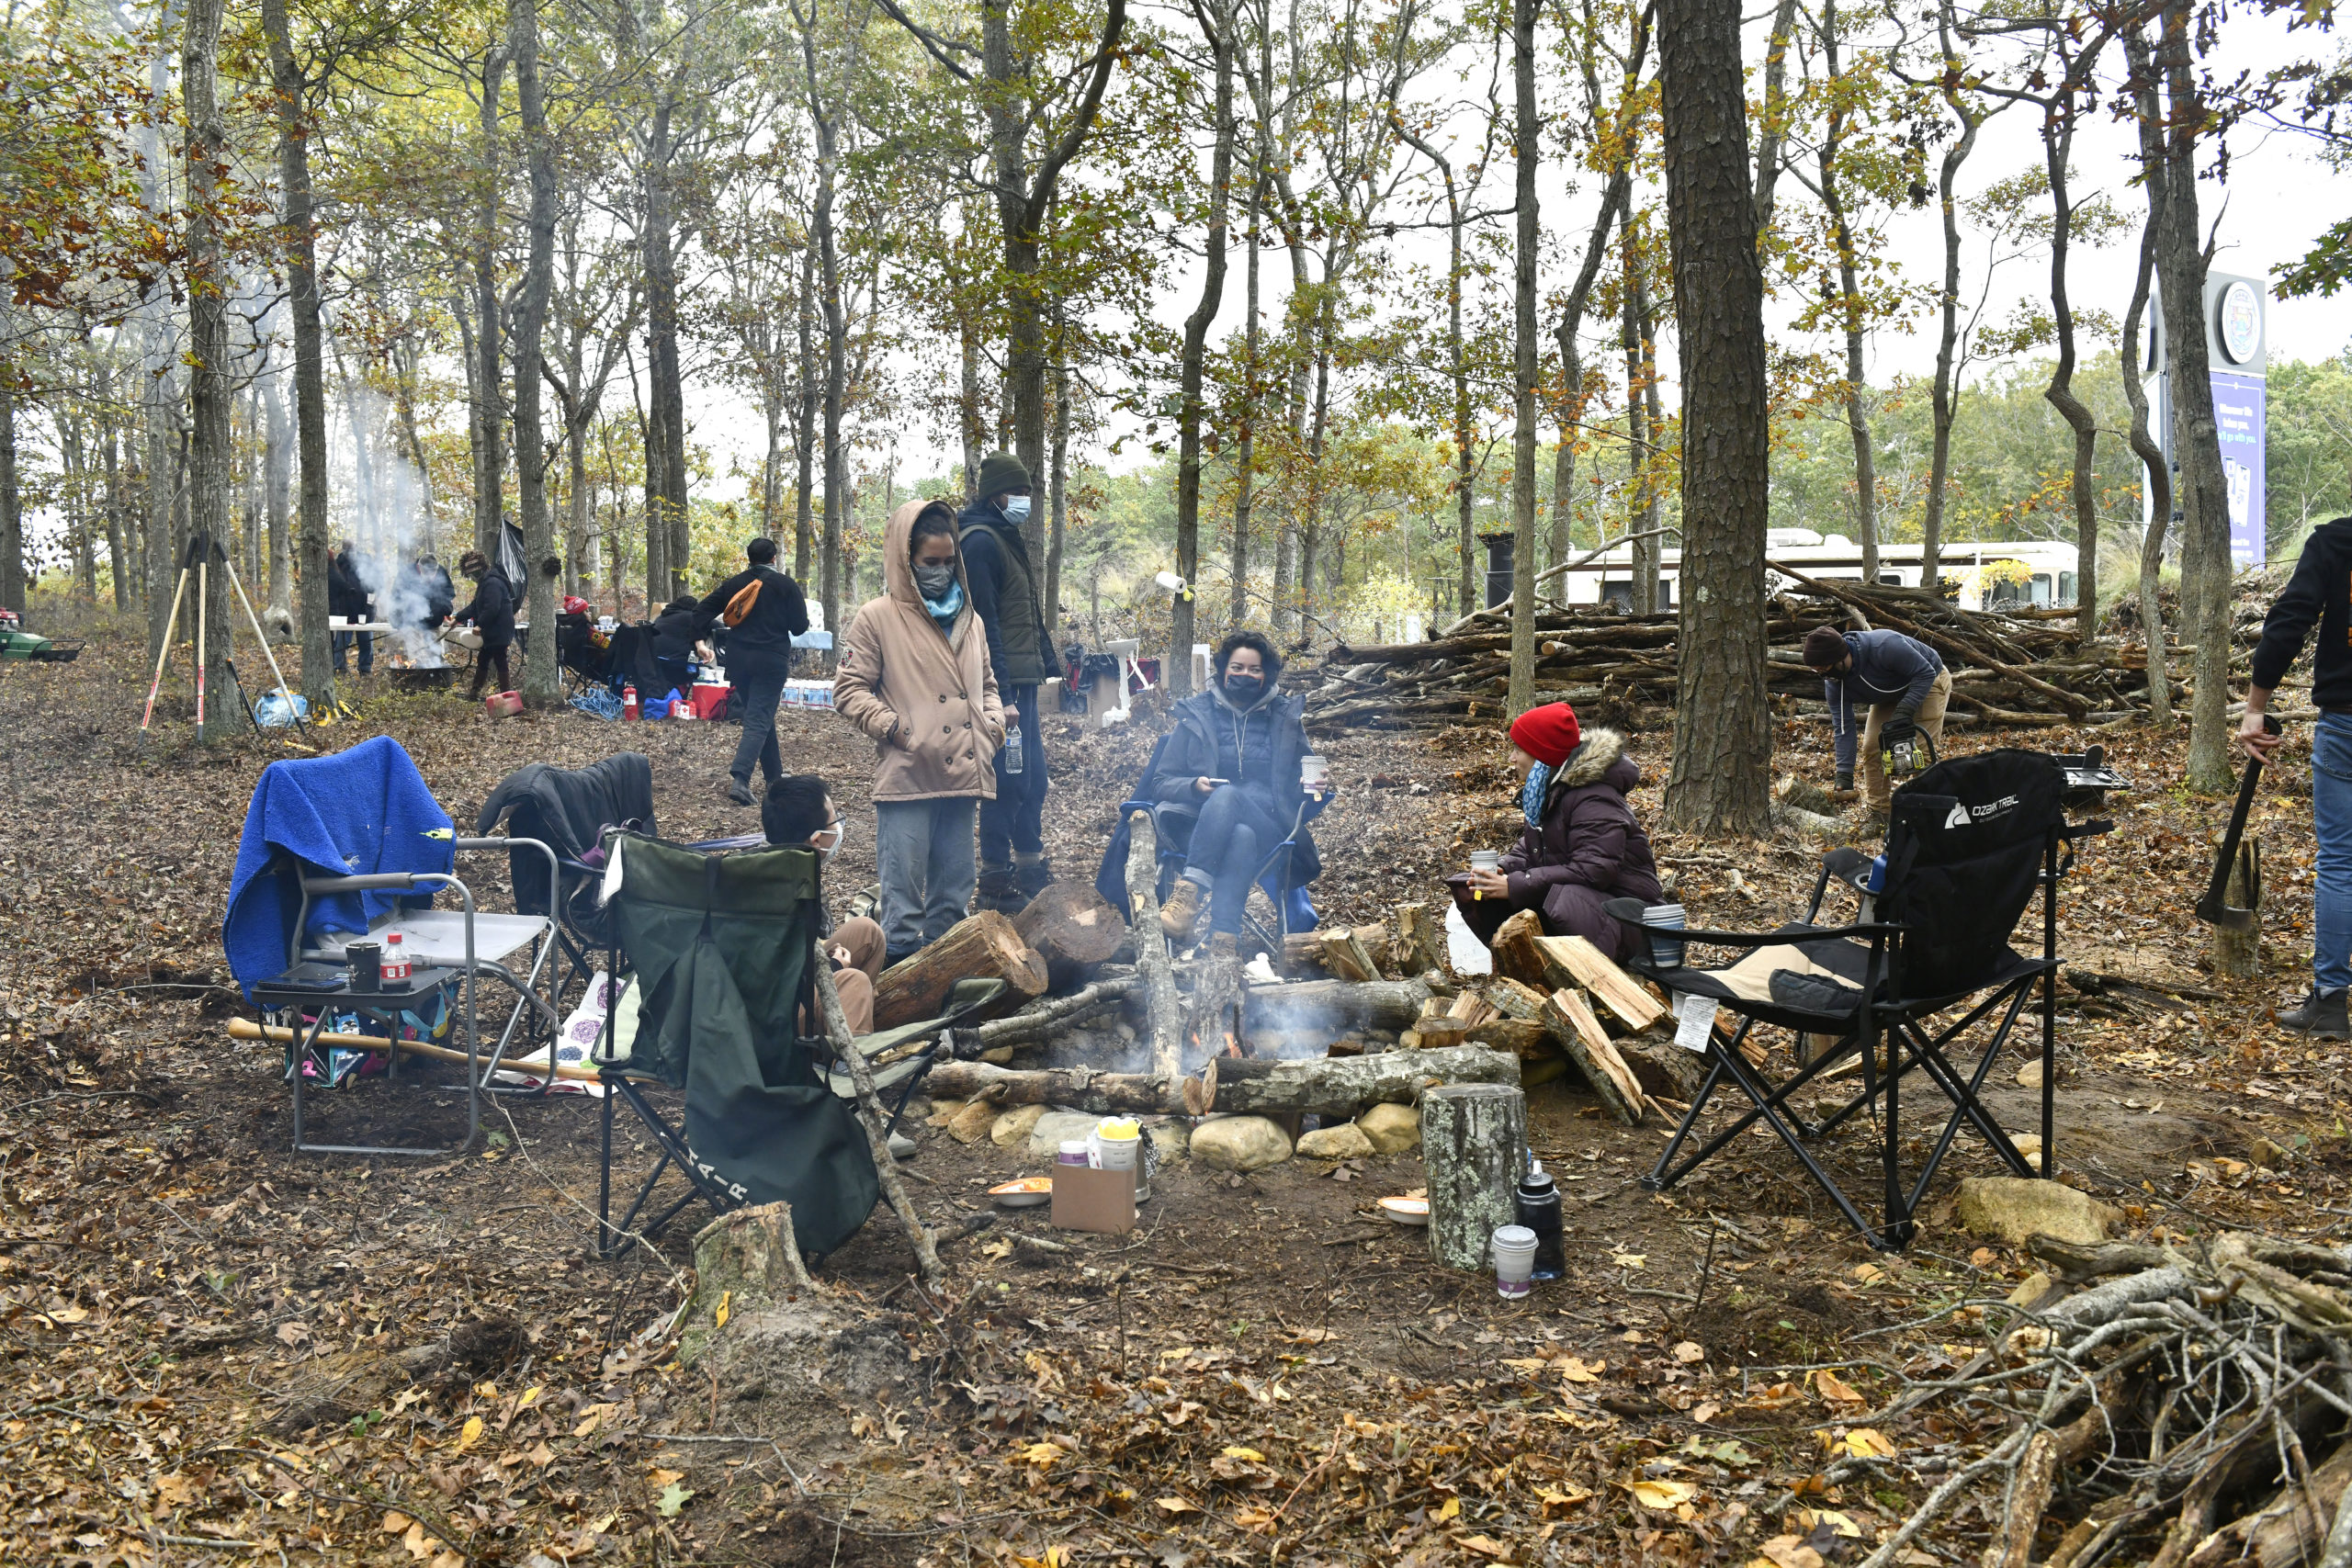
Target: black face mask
[{"x": 1244, "y": 688}]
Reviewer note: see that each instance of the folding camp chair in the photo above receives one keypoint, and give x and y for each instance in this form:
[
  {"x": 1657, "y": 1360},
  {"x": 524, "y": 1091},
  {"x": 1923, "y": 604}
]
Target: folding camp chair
[
  {"x": 720, "y": 949},
  {"x": 1968, "y": 843},
  {"x": 570, "y": 809},
  {"x": 1293, "y": 907},
  {"x": 353, "y": 845}
]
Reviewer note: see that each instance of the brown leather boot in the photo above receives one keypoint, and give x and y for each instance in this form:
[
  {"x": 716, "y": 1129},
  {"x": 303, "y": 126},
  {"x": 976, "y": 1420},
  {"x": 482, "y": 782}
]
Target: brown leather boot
[{"x": 1183, "y": 910}]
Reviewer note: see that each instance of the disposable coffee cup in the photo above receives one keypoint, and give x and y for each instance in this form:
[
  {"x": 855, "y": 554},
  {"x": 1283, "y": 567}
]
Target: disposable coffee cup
[
  {"x": 1486, "y": 860},
  {"x": 1666, "y": 952},
  {"x": 1313, "y": 771},
  {"x": 1114, "y": 1151},
  {"x": 1514, "y": 1252},
  {"x": 366, "y": 961}
]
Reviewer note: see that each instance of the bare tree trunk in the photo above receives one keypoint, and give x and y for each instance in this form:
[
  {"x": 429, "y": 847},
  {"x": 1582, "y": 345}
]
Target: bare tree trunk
[
  {"x": 1637, "y": 429},
  {"x": 1526, "y": 363},
  {"x": 1058, "y": 492},
  {"x": 210, "y": 394},
  {"x": 2058, "y": 141},
  {"x": 12, "y": 518},
  {"x": 1858, "y": 423},
  {"x": 489, "y": 463},
  {"x": 1773, "y": 131},
  {"x": 118, "y": 558},
  {"x": 542, "y": 676},
  {"x": 1945, "y": 396},
  {"x": 2155, "y": 473},
  {"x": 2205, "y": 555},
  {"x": 1177, "y": 673},
  {"x": 1723, "y": 744},
  {"x": 804, "y": 424},
  {"x": 826, "y": 124},
  {"x": 299, "y": 222}
]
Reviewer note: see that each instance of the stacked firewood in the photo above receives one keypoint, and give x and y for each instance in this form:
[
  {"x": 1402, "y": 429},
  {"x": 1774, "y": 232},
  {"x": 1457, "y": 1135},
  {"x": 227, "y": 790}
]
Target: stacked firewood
[{"x": 2011, "y": 668}]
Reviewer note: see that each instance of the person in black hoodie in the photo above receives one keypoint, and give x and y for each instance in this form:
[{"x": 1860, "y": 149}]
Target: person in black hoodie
[
  {"x": 348, "y": 596},
  {"x": 2320, "y": 592},
  {"x": 1582, "y": 845},
  {"x": 493, "y": 615},
  {"x": 1232, "y": 765},
  {"x": 759, "y": 658}
]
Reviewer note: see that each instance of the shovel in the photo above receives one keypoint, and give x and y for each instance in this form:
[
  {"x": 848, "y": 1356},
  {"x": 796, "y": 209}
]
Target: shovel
[{"x": 2215, "y": 909}]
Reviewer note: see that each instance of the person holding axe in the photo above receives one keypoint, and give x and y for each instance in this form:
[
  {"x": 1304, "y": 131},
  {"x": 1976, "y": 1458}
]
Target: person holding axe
[{"x": 2320, "y": 592}]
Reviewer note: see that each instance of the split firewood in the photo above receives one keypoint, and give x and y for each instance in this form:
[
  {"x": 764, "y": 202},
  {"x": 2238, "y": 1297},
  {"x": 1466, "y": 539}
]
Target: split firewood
[
  {"x": 1470, "y": 1009},
  {"x": 1529, "y": 1039},
  {"x": 1587, "y": 967},
  {"x": 1418, "y": 946},
  {"x": 1619, "y": 1093},
  {"x": 1165, "y": 1023},
  {"x": 983, "y": 946},
  {"x": 1516, "y": 956},
  {"x": 1073, "y": 928},
  {"x": 1661, "y": 1066},
  {"x": 1346, "y": 956}
]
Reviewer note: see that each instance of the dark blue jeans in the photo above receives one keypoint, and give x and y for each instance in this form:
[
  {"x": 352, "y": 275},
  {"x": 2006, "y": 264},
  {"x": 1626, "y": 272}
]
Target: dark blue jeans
[
  {"x": 758, "y": 680},
  {"x": 367, "y": 641},
  {"x": 2332, "y": 824},
  {"x": 1015, "y": 820},
  {"x": 1236, "y": 831}
]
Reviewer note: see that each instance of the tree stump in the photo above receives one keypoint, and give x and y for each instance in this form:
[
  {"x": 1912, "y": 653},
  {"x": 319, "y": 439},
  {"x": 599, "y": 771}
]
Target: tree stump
[
  {"x": 1474, "y": 1150},
  {"x": 986, "y": 946},
  {"x": 1073, "y": 929},
  {"x": 743, "y": 1258},
  {"x": 2237, "y": 954}
]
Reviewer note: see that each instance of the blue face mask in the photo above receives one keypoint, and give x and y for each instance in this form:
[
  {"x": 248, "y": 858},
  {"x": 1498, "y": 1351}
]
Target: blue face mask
[
  {"x": 1016, "y": 509},
  {"x": 1530, "y": 797},
  {"x": 944, "y": 609}
]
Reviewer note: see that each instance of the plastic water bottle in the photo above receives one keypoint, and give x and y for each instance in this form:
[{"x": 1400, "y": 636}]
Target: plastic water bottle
[{"x": 1012, "y": 750}]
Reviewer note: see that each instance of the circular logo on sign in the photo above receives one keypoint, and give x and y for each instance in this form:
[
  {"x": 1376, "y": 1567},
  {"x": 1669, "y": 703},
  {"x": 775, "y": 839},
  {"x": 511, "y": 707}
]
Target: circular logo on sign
[{"x": 2239, "y": 321}]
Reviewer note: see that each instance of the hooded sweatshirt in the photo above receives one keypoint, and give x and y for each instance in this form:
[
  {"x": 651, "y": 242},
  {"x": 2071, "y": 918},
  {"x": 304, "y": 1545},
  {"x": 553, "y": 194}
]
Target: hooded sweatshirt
[
  {"x": 926, "y": 696},
  {"x": 1888, "y": 667},
  {"x": 2321, "y": 590}
]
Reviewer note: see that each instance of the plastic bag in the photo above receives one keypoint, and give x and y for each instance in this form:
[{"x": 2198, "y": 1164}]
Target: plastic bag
[{"x": 280, "y": 709}]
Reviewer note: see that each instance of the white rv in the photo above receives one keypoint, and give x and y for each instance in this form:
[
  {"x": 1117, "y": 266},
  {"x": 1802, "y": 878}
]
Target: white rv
[{"x": 2008, "y": 573}]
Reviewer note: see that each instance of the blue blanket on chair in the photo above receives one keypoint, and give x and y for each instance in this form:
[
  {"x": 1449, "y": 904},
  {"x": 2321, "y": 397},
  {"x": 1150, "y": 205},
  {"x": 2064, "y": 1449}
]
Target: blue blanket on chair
[{"x": 360, "y": 812}]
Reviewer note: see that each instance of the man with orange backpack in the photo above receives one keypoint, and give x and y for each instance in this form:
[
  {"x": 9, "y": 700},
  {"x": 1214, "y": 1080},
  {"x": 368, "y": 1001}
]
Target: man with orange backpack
[{"x": 763, "y": 611}]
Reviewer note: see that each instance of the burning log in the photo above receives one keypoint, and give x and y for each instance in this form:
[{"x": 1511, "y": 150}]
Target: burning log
[
  {"x": 1073, "y": 929},
  {"x": 1166, "y": 1021},
  {"x": 985, "y": 946},
  {"x": 1392, "y": 1005}
]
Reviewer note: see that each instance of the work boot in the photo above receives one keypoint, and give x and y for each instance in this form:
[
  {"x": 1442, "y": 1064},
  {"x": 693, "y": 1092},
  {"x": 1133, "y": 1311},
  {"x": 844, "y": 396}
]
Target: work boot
[
  {"x": 998, "y": 891},
  {"x": 2322, "y": 1016},
  {"x": 1032, "y": 874},
  {"x": 1178, "y": 915},
  {"x": 739, "y": 793}
]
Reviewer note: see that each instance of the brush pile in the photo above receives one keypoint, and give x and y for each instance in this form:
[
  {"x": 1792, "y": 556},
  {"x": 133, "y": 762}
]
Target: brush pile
[
  {"x": 2189, "y": 1410},
  {"x": 2024, "y": 668}
]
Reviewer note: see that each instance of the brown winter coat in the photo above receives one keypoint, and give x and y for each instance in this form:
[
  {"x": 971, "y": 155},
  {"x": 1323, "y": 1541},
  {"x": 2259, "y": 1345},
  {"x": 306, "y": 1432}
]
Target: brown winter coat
[{"x": 928, "y": 699}]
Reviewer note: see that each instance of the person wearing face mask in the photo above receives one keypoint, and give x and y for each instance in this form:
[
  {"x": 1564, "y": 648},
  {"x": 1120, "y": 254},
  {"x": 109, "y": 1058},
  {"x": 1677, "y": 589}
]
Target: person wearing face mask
[
  {"x": 797, "y": 810},
  {"x": 915, "y": 677},
  {"x": 1232, "y": 766},
  {"x": 1008, "y": 594},
  {"x": 1581, "y": 846},
  {"x": 493, "y": 615},
  {"x": 763, "y": 611}
]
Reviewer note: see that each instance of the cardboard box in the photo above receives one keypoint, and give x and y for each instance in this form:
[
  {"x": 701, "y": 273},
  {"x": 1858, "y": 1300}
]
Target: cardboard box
[{"x": 1089, "y": 1200}]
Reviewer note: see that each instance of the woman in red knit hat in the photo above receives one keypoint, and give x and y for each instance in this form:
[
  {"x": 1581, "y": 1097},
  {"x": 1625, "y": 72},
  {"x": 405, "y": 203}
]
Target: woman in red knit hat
[{"x": 1582, "y": 844}]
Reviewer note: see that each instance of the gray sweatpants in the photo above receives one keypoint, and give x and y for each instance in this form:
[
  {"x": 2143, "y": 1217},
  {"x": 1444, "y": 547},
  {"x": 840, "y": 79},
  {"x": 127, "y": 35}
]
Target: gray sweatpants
[{"x": 922, "y": 850}]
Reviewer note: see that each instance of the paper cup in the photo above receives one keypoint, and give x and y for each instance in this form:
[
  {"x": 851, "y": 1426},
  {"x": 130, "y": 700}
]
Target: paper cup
[
  {"x": 1665, "y": 952},
  {"x": 1514, "y": 1253},
  {"x": 1113, "y": 1153}
]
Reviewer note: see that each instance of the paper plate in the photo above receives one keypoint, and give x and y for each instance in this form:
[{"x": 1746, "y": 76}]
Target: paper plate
[
  {"x": 1025, "y": 1193},
  {"x": 1406, "y": 1211}
]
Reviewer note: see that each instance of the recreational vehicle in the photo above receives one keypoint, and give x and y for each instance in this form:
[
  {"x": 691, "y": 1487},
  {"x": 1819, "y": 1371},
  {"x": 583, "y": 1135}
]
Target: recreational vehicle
[{"x": 1999, "y": 574}]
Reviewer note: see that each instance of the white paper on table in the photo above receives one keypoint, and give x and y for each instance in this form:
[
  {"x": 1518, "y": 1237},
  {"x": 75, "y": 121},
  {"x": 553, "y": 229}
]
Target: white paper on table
[{"x": 1695, "y": 1021}]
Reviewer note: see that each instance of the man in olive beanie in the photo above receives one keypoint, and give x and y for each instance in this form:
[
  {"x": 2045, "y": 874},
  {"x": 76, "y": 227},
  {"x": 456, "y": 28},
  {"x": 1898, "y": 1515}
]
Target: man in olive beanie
[{"x": 1008, "y": 593}]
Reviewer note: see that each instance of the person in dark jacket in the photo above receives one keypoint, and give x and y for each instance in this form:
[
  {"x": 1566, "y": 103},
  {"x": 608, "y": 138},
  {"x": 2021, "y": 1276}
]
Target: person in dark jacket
[
  {"x": 347, "y": 596},
  {"x": 491, "y": 614},
  {"x": 1232, "y": 765},
  {"x": 1009, "y": 596},
  {"x": 1582, "y": 845},
  {"x": 1898, "y": 682},
  {"x": 2319, "y": 593},
  {"x": 759, "y": 660},
  {"x": 677, "y": 630},
  {"x": 433, "y": 590}
]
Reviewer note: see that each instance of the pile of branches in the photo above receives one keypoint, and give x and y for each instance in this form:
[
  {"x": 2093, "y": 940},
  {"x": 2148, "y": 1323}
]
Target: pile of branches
[
  {"x": 2026, "y": 667},
  {"x": 2189, "y": 1410}
]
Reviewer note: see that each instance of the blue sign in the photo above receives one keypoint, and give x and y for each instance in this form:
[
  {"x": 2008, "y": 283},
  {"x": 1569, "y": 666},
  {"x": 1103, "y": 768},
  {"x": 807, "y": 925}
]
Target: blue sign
[{"x": 2238, "y": 417}]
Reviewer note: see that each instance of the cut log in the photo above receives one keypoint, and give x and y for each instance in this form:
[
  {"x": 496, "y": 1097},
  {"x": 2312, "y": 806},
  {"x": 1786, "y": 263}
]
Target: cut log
[
  {"x": 1474, "y": 1150},
  {"x": 1346, "y": 956},
  {"x": 1040, "y": 1019},
  {"x": 1418, "y": 946},
  {"x": 984, "y": 946},
  {"x": 1346, "y": 1085},
  {"x": 1081, "y": 1089},
  {"x": 1661, "y": 1066},
  {"x": 1073, "y": 928},
  {"x": 1164, "y": 1022},
  {"x": 1339, "y": 1004},
  {"x": 1470, "y": 1009},
  {"x": 1587, "y": 966},
  {"x": 1529, "y": 1039},
  {"x": 1326, "y": 1086},
  {"x": 1516, "y": 956},
  {"x": 1588, "y": 1047}
]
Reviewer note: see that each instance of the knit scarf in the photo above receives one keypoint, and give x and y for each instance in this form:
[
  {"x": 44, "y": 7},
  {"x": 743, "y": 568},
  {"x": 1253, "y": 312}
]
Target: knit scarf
[{"x": 1531, "y": 795}]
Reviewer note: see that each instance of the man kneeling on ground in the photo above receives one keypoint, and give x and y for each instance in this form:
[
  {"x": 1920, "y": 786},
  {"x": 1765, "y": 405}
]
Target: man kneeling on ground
[{"x": 799, "y": 810}]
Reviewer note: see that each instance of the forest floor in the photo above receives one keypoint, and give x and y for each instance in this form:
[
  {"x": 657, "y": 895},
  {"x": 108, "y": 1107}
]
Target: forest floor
[{"x": 197, "y": 1321}]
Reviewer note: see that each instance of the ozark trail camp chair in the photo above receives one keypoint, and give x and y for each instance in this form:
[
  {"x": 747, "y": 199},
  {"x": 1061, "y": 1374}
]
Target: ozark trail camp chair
[
  {"x": 570, "y": 809},
  {"x": 1968, "y": 843},
  {"x": 720, "y": 949},
  {"x": 350, "y": 846}
]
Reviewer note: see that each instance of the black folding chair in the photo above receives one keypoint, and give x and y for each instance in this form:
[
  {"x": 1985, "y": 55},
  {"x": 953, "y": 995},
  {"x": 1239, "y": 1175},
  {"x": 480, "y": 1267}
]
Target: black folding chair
[{"x": 1969, "y": 841}]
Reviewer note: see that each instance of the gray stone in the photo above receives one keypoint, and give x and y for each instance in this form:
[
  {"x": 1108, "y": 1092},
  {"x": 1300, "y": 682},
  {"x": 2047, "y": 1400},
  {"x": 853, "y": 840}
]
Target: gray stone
[
  {"x": 2012, "y": 1209},
  {"x": 1240, "y": 1142},
  {"x": 1012, "y": 1126},
  {"x": 1346, "y": 1141},
  {"x": 1045, "y": 1139},
  {"x": 1392, "y": 1129}
]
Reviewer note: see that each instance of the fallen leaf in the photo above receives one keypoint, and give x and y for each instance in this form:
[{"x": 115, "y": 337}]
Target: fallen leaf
[
  {"x": 1630, "y": 1259},
  {"x": 1041, "y": 1454},
  {"x": 81, "y": 1315},
  {"x": 1573, "y": 1370},
  {"x": 530, "y": 1398},
  {"x": 1453, "y": 1509},
  {"x": 1869, "y": 1273},
  {"x": 673, "y": 1497},
  {"x": 1175, "y": 1505},
  {"x": 1864, "y": 1443},
  {"x": 469, "y": 1434},
  {"x": 1663, "y": 1496},
  {"x": 1553, "y": 1497},
  {"x": 1813, "y": 1519},
  {"x": 1787, "y": 1551},
  {"x": 718, "y": 1318},
  {"x": 665, "y": 1477},
  {"x": 1831, "y": 1387},
  {"x": 177, "y": 1490},
  {"x": 1248, "y": 1456},
  {"x": 289, "y": 1333},
  {"x": 1000, "y": 1248},
  {"x": 1689, "y": 1351},
  {"x": 397, "y": 1523},
  {"x": 1485, "y": 1546}
]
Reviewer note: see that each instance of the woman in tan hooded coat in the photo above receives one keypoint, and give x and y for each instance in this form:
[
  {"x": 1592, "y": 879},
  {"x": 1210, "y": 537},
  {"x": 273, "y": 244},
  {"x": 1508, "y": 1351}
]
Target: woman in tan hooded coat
[{"x": 914, "y": 675}]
